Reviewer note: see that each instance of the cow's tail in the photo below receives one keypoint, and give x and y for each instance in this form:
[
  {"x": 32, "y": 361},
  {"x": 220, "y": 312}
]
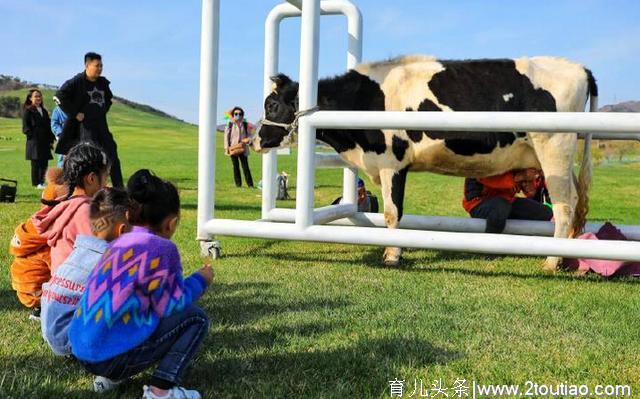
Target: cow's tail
[{"x": 584, "y": 178}]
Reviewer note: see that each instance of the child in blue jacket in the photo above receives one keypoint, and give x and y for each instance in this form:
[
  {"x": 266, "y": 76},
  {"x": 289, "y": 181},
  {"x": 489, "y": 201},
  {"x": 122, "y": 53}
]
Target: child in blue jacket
[
  {"x": 108, "y": 216},
  {"x": 58, "y": 119}
]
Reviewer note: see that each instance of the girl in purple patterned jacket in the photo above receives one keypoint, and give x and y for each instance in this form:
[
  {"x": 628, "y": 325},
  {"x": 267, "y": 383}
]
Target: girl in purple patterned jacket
[{"x": 137, "y": 309}]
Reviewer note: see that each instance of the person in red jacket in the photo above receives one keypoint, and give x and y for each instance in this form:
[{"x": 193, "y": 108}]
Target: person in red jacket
[{"x": 494, "y": 198}]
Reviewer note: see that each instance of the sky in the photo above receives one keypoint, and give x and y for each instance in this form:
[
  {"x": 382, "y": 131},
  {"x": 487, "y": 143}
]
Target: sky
[{"x": 151, "y": 48}]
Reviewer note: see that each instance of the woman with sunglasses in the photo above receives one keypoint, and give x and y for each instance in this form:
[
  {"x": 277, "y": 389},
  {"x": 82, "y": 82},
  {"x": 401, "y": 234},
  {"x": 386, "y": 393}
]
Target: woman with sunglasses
[{"x": 236, "y": 139}]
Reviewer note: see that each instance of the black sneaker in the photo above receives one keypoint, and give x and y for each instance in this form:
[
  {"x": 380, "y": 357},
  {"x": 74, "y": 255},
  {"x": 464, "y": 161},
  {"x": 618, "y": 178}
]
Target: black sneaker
[{"x": 35, "y": 313}]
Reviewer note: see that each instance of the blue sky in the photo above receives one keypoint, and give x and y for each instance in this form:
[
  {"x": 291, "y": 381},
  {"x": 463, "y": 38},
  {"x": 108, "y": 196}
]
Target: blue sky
[{"x": 151, "y": 47}]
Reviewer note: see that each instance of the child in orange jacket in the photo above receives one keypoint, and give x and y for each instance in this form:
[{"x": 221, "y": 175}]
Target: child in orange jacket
[
  {"x": 494, "y": 198},
  {"x": 31, "y": 264},
  {"x": 43, "y": 242}
]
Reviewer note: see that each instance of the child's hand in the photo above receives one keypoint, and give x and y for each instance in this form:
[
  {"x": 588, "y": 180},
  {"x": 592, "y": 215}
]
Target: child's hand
[{"x": 206, "y": 272}]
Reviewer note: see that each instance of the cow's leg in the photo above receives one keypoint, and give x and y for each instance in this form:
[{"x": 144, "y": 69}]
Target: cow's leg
[
  {"x": 555, "y": 153},
  {"x": 393, "y": 183}
]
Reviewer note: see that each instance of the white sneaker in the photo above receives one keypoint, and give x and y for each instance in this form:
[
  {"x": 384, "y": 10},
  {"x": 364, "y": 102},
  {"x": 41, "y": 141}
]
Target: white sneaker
[
  {"x": 174, "y": 393},
  {"x": 103, "y": 384},
  {"x": 40, "y": 186}
]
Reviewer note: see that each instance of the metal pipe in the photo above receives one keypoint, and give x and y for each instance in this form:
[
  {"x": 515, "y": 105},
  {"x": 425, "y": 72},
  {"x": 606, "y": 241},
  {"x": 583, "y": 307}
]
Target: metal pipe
[
  {"x": 466, "y": 242},
  {"x": 329, "y": 213},
  {"x": 208, "y": 100},
  {"x": 613, "y": 136},
  {"x": 308, "y": 96},
  {"x": 455, "y": 224},
  {"x": 271, "y": 56},
  {"x": 354, "y": 57},
  {"x": 329, "y": 160},
  {"x": 564, "y": 122}
]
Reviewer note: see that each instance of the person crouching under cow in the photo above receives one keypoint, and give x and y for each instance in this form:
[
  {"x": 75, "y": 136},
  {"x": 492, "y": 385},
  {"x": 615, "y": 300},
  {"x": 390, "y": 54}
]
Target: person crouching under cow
[
  {"x": 367, "y": 202},
  {"x": 494, "y": 198}
]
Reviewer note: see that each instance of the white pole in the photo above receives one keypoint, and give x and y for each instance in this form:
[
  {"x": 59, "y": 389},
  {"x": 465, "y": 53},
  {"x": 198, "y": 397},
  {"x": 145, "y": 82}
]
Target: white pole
[
  {"x": 209, "y": 35},
  {"x": 468, "y": 242},
  {"x": 308, "y": 93},
  {"x": 564, "y": 122},
  {"x": 330, "y": 213},
  {"x": 271, "y": 57},
  {"x": 354, "y": 57},
  {"x": 456, "y": 224}
]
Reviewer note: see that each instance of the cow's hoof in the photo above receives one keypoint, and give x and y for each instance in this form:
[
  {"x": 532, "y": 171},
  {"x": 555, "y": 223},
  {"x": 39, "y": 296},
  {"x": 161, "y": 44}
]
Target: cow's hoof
[
  {"x": 391, "y": 257},
  {"x": 551, "y": 264},
  {"x": 391, "y": 262}
]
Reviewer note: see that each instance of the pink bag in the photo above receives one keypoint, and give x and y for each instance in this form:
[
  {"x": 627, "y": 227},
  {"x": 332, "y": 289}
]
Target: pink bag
[{"x": 606, "y": 268}]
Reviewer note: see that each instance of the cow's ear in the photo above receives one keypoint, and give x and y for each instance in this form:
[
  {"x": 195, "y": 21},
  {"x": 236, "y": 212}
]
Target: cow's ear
[{"x": 280, "y": 81}]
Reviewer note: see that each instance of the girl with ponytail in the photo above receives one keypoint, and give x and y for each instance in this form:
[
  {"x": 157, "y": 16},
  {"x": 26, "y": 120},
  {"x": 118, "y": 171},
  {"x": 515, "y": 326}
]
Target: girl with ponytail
[
  {"x": 138, "y": 309},
  {"x": 85, "y": 172}
]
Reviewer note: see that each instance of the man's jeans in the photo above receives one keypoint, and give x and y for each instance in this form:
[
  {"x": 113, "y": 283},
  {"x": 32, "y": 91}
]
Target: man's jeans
[{"x": 173, "y": 345}]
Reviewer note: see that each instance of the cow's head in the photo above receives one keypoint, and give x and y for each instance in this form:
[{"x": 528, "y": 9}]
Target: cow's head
[{"x": 279, "y": 107}]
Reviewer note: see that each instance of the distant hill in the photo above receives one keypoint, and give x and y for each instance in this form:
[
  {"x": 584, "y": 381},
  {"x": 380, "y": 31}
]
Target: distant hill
[
  {"x": 627, "y": 106},
  {"x": 10, "y": 102}
]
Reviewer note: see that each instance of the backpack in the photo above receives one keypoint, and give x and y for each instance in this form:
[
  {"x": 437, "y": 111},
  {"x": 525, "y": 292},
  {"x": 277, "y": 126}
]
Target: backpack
[{"x": 282, "y": 183}]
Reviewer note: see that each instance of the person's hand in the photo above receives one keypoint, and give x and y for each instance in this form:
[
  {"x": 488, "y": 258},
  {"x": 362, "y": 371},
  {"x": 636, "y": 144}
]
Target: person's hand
[
  {"x": 206, "y": 272},
  {"x": 246, "y": 140},
  {"x": 80, "y": 117}
]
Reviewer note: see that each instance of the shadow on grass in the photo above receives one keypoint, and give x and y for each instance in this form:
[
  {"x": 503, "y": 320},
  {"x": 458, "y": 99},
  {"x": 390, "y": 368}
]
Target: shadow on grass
[
  {"x": 37, "y": 376},
  {"x": 359, "y": 369},
  {"x": 242, "y": 303},
  {"x": 9, "y": 301}
]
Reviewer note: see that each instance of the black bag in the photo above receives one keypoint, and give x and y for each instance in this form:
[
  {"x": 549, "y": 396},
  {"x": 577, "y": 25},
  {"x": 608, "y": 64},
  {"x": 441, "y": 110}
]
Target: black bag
[
  {"x": 8, "y": 191},
  {"x": 282, "y": 182}
]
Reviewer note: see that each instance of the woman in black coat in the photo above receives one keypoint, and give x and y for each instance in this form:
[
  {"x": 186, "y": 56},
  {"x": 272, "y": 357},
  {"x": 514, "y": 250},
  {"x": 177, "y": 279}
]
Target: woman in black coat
[{"x": 36, "y": 125}]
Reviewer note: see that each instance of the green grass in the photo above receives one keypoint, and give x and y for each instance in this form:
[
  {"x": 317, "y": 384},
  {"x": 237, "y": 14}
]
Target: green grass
[{"x": 291, "y": 319}]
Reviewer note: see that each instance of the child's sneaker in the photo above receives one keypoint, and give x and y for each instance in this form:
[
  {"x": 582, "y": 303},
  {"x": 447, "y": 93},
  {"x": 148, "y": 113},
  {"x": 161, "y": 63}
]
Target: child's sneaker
[
  {"x": 103, "y": 384},
  {"x": 174, "y": 393},
  {"x": 35, "y": 313}
]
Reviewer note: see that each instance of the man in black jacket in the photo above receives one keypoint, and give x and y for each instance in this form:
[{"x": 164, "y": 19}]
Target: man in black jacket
[{"x": 86, "y": 99}]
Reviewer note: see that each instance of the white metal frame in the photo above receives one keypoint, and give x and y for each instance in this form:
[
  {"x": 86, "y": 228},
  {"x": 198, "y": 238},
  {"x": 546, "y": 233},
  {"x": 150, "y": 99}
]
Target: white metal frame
[
  {"x": 271, "y": 58},
  {"x": 309, "y": 223}
]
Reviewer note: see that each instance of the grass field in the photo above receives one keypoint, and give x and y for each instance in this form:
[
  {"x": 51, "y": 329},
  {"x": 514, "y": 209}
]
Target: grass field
[{"x": 297, "y": 320}]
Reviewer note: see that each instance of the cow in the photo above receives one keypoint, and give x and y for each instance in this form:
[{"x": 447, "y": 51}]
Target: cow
[{"x": 424, "y": 83}]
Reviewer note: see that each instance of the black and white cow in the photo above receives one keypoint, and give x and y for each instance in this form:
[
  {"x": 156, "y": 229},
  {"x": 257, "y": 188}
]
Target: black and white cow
[{"x": 422, "y": 83}]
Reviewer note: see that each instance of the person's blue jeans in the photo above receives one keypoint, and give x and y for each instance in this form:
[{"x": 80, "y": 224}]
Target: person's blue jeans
[
  {"x": 172, "y": 345},
  {"x": 60, "y": 162}
]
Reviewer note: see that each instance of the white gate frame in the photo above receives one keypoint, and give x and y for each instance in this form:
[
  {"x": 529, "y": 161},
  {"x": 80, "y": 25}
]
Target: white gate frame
[{"x": 309, "y": 223}]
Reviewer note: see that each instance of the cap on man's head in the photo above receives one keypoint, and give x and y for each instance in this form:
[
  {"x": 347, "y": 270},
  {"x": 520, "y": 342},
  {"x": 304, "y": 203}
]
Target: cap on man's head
[{"x": 360, "y": 182}]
